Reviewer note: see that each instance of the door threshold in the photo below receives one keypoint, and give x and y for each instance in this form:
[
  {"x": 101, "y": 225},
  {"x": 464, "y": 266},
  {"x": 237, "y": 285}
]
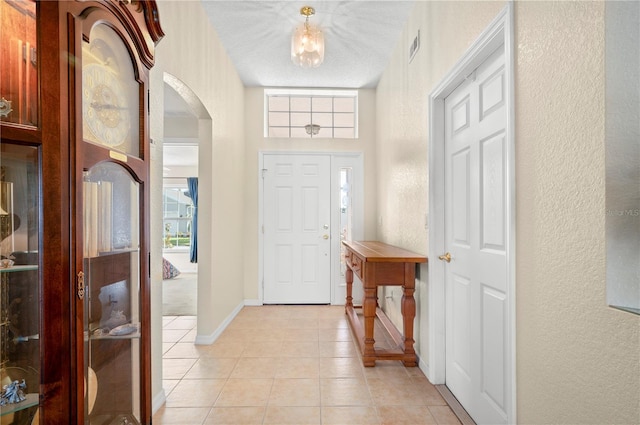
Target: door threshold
[{"x": 455, "y": 405}]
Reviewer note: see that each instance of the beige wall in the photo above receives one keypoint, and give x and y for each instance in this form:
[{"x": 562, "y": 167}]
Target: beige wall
[
  {"x": 256, "y": 142},
  {"x": 447, "y": 29},
  {"x": 578, "y": 361},
  {"x": 192, "y": 52}
]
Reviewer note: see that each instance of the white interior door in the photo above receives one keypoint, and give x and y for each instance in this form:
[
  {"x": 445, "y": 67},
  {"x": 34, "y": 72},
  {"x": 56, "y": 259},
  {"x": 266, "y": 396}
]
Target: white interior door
[
  {"x": 477, "y": 346},
  {"x": 297, "y": 226}
]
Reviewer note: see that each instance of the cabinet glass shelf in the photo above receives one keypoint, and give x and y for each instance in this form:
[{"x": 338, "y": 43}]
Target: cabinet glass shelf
[
  {"x": 135, "y": 335},
  {"x": 32, "y": 399},
  {"x": 18, "y": 268}
]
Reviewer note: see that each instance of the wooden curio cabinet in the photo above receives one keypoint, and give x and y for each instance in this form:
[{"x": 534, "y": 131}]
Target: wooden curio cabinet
[{"x": 74, "y": 196}]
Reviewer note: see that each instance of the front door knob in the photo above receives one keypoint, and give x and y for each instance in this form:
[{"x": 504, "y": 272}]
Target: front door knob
[
  {"x": 325, "y": 237},
  {"x": 446, "y": 257}
]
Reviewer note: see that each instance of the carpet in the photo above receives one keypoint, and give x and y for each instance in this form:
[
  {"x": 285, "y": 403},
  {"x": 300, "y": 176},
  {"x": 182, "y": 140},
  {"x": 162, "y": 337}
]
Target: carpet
[{"x": 179, "y": 295}]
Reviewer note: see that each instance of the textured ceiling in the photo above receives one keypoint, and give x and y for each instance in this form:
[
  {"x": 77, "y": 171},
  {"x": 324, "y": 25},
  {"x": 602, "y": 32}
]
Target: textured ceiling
[{"x": 359, "y": 38}]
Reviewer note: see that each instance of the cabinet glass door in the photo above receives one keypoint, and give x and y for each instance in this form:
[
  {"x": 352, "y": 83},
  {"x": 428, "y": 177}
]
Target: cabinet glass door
[
  {"x": 18, "y": 62},
  {"x": 19, "y": 284},
  {"x": 112, "y": 295}
]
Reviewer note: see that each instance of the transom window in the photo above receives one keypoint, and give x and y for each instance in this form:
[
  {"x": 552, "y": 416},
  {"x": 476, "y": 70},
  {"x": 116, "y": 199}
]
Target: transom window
[{"x": 307, "y": 114}]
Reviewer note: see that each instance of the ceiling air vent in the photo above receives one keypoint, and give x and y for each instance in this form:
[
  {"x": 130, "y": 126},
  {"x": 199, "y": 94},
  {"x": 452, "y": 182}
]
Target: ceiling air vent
[{"x": 414, "y": 47}]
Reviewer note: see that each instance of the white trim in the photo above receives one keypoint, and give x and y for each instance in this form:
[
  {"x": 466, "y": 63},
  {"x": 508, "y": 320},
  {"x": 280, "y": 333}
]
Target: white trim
[
  {"x": 158, "y": 401},
  {"x": 209, "y": 339},
  {"x": 311, "y": 92},
  {"x": 500, "y": 31},
  {"x": 180, "y": 141},
  {"x": 356, "y": 160},
  {"x": 424, "y": 367},
  {"x": 252, "y": 303}
]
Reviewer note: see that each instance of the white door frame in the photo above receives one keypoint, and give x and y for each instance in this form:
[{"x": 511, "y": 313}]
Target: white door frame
[
  {"x": 354, "y": 160},
  {"x": 498, "y": 32}
]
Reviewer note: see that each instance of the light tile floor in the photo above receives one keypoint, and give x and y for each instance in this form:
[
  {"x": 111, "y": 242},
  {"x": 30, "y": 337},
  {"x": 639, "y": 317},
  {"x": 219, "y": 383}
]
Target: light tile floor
[{"x": 288, "y": 365}]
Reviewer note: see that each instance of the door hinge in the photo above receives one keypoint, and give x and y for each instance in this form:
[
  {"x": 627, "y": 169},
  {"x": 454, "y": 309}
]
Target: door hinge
[
  {"x": 472, "y": 76},
  {"x": 264, "y": 171}
]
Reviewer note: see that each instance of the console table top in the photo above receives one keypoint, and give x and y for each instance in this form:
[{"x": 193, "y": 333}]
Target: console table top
[{"x": 374, "y": 251}]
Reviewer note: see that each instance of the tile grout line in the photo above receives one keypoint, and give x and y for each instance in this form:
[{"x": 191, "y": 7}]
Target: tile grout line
[{"x": 336, "y": 352}]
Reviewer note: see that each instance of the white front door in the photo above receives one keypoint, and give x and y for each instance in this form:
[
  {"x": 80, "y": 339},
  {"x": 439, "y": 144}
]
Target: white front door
[
  {"x": 477, "y": 346},
  {"x": 297, "y": 226}
]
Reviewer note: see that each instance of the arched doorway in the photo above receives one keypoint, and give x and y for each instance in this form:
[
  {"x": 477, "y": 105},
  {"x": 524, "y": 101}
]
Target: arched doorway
[{"x": 187, "y": 139}]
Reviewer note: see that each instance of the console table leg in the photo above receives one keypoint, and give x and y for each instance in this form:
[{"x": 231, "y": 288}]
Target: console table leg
[
  {"x": 369, "y": 311},
  {"x": 348, "y": 276},
  {"x": 408, "y": 309}
]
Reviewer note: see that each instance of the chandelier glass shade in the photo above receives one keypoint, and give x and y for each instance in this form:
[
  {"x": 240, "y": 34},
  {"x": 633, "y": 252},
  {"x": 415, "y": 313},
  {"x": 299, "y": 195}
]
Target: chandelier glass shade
[
  {"x": 307, "y": 42},
  {"x": 312, "y": 129}
]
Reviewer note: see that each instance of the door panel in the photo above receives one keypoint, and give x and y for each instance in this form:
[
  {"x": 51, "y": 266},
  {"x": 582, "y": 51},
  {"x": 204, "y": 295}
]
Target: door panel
[
  {"x": 493, "y": 339},
  {"x": 492, "y": 152},
  {"x": 475, "y": 235},
  {"x": 460, "y": 202},
  {"x": 296, "y": 229},
  {"x": 461, "y": 331}
]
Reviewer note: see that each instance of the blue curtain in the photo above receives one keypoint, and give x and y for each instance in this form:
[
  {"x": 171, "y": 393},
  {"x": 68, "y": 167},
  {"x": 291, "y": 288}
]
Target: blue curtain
[{"x": 192, "y": 183}]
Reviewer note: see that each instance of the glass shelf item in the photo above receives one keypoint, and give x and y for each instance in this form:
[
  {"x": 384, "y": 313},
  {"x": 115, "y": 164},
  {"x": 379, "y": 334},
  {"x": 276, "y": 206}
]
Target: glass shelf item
[
  {"x": 19, "y": 281},
  {"x": 18, "y": 62},
  {"x": 31, "y": 400}
]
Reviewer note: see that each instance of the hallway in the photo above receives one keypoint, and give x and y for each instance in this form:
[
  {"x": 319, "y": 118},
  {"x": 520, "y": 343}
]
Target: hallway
[{"x": 288, "y": 365}]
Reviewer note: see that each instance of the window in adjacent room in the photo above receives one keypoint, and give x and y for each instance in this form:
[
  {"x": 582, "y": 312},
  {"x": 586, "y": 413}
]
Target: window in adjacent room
[{"x": 177, "y": 212}]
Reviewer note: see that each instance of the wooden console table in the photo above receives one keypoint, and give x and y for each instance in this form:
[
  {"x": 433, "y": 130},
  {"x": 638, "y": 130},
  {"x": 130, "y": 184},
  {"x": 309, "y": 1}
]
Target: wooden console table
[{"x": 379, "y": 264}]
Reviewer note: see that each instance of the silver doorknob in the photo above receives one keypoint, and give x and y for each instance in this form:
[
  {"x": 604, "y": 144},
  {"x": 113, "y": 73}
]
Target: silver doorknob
[
  {"x": 325, "y": 237},
  {"x": 446, "y": 257}
]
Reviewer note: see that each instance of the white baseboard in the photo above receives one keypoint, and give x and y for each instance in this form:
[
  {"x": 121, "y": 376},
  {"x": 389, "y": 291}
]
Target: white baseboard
[
  {"x": 424, "y": 367},
  {"x": 158, "y": 401},
  {"x": 209, "y": 339},
  {"x": 253, "y": 303}
]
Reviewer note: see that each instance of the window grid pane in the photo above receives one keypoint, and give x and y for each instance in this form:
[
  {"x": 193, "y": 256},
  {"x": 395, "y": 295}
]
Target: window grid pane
[
  {"x": 299, "y": 132},
  {"x": 300, "y": 119},
  {"x": 279, "y": 119},
  {"x": 324, "y": 119},
  {"x": 343, "y": 120},
  {"x": 300, "y": 104},
  {"x": 323, "y": 104},
  {"x": 279, "y": 103},
  {"x": 287, "y": 116}
]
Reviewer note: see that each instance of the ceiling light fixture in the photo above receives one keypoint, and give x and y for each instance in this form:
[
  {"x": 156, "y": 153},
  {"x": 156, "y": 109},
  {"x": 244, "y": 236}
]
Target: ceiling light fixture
[
  {"x": 312, "y": 129},
  {"x": 307, "y": 42}
]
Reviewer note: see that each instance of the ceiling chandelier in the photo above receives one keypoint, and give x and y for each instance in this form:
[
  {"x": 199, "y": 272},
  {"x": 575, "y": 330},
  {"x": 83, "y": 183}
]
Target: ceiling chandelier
[
  {"x": 307, "y": 42},
  {"x": 312, "y": 129}
]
